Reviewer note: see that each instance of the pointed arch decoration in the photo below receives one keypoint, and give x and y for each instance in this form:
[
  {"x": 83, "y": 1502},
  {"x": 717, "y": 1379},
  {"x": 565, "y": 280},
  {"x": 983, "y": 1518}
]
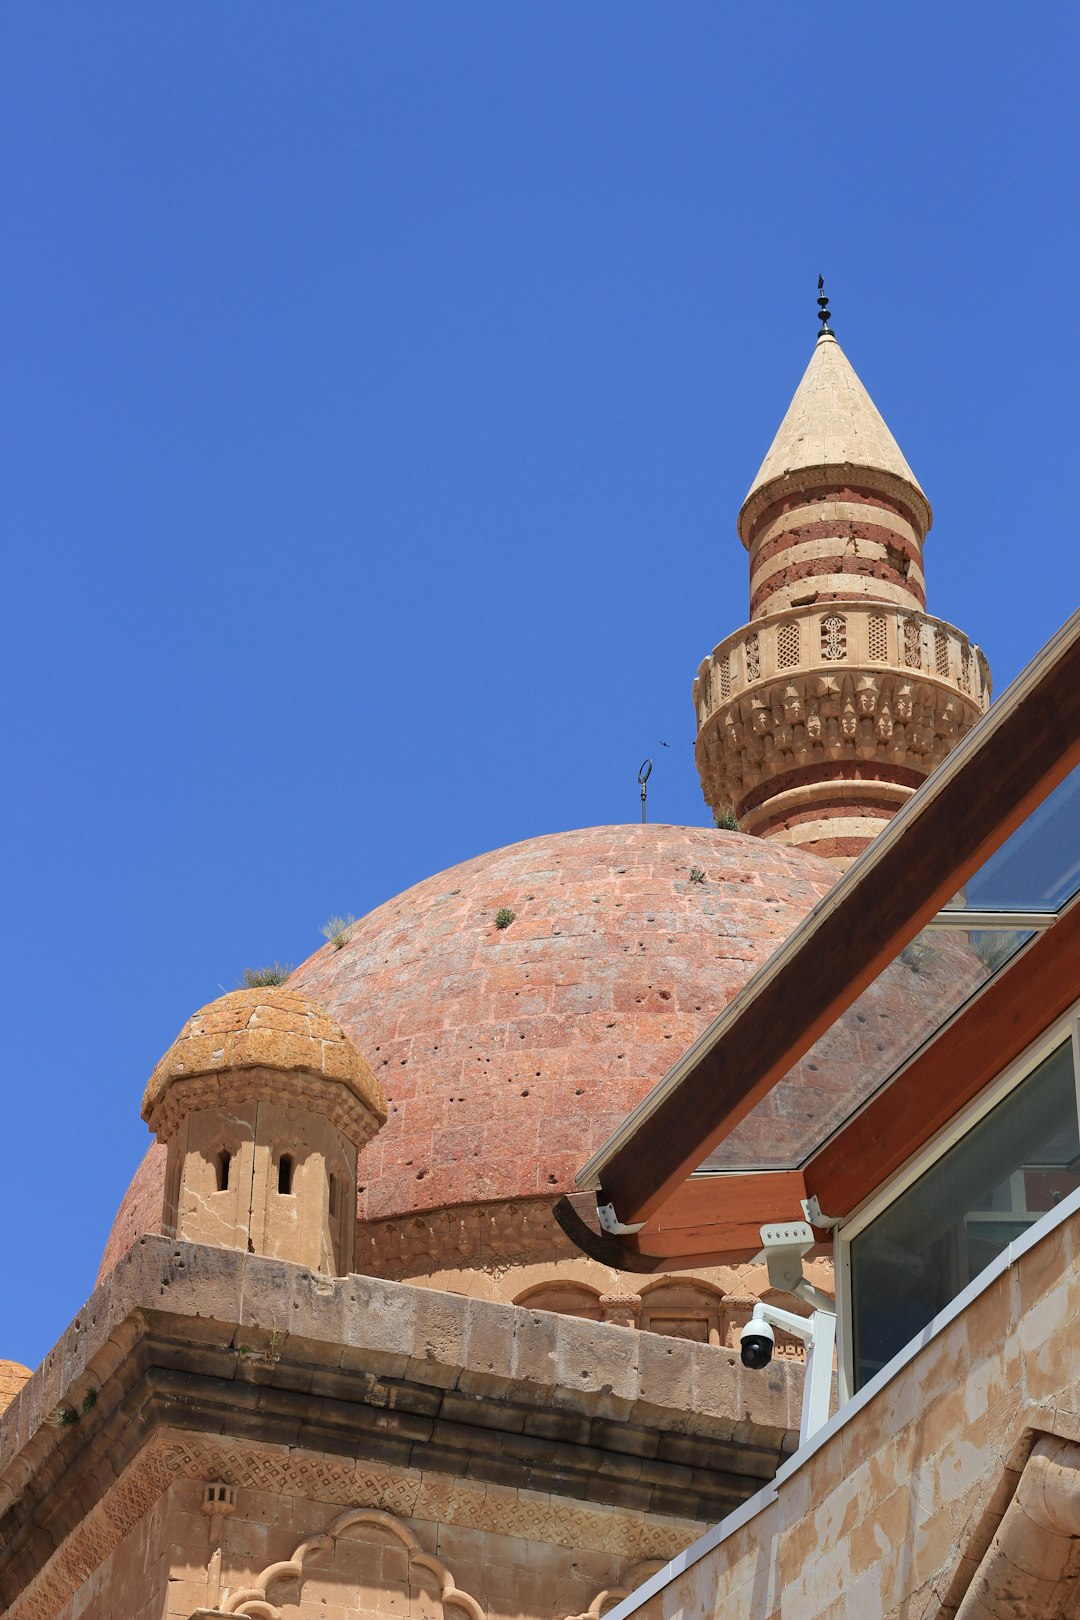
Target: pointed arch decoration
[{"x": 253, "y": 1601}]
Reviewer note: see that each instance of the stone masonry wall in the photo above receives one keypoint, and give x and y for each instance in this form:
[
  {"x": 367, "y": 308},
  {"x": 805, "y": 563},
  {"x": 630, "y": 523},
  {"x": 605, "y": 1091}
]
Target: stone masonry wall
[
  {"x": 377, "y": 1564},
  {"x": 362, "y": 1397},
  {"x": 132, "y": 1583},
  {"x": 893, "y": 1513}
]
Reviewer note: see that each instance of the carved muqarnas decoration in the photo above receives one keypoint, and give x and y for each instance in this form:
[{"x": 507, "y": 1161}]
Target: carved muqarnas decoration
[
  {"x": 255, "y": 1601},
  {"x": 815, "y": 718}
]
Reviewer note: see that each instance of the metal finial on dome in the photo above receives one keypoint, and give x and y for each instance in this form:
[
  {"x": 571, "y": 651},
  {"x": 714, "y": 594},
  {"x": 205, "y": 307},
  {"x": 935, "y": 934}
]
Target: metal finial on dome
[
  {"x": 643, "y": 776},
  {"x": 823, "y": 308}
]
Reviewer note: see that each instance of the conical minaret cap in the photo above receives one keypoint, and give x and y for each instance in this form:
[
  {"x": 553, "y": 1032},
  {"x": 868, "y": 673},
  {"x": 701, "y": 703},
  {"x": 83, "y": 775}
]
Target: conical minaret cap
[{"x": 832, "y": 427}]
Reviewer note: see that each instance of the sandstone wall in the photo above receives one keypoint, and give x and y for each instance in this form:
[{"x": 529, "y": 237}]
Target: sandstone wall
[
  {"x": 375, "y": 1563},
  {"x": 895, "y": 1512},
  {"x": 552, "y": 1460}
]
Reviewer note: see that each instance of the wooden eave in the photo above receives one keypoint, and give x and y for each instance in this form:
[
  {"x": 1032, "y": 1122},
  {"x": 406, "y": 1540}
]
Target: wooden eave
[{"x": 1004, "y": 768}]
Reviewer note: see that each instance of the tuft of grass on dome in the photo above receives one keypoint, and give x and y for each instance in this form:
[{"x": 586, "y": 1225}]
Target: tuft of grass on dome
[
  {"x": 274, "y": 973},
  {"x": 696, "y": 875},
  {"x": 726, "y": 819},
  {"x": 504, "y": 917},
  {"x": 336, "y": 930}
]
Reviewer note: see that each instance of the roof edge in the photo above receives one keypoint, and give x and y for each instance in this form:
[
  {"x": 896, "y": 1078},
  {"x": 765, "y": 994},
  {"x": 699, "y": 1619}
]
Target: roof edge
[{"x": 847, "y": 896}]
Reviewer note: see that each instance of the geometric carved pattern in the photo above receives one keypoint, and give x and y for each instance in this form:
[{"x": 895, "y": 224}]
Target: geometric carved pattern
[
  {"x": 753, "y": 657},
  {"x": 501, "y": 1509},
  {"x": 877, "y": 638},
  {"x": 941, "y": 653},
  {"x": 965, "y": 669},
  {"x": 725, "y": 677},
  {"x": 912, "y": 643},
  {"x": 833, "y": 638},
  {"x": 407, "y": 1493},
  {"x": 118, "y": 1512},
  {"x": 507, "y": 1233},
  {"x": 787, "y": 645}
]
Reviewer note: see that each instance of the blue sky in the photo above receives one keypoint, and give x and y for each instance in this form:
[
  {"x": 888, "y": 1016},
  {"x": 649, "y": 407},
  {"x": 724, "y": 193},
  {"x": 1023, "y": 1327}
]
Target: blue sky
[{"x": 381, "y": 382}]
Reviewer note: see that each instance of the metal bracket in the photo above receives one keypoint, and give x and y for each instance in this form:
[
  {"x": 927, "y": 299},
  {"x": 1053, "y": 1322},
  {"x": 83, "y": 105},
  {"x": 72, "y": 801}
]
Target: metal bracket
[
  {"x": 812, "y": 1210},
  {"x": 611, "y": 1223}
]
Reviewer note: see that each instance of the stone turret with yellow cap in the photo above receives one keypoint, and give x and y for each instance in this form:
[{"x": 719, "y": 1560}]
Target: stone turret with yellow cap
[
  {"x": 263, "y": 1102},
  {"x": 818, "y": 719}
]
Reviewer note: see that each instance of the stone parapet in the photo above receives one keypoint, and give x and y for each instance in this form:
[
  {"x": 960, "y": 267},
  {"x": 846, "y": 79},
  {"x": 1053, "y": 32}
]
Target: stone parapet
[
  {"x": 213, "y": 1346},
  {"x": 858, "y": 701}
]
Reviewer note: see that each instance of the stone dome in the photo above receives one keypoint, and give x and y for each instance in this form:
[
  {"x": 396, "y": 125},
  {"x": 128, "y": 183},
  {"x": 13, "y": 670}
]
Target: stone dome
[
  {"x": 269, "y": 1028},
  {"x": 508, "y": 1054},
  {"x": 13, "y": 1375}
]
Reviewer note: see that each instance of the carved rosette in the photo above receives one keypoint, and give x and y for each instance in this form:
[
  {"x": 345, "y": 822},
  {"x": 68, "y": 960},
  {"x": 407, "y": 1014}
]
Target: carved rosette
[{"x": 832, "y": 714}]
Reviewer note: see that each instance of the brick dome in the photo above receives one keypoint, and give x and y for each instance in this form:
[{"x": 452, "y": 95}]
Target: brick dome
[{"x": 508, "y": 1054}]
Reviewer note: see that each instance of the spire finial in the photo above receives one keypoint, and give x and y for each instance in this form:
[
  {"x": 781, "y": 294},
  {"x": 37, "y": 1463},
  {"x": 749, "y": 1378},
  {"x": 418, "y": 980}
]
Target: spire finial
[{"x": 823, "y": 308}]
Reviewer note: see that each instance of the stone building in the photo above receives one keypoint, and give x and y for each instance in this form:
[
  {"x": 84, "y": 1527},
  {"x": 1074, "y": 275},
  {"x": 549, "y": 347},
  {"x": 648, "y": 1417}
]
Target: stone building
[{"x": 372, "y": 1334}]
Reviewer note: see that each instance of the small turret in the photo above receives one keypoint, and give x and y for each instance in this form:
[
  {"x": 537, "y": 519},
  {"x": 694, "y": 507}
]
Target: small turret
[
  {"x": 263, "y": 1102},
  {"x": 13, "y": 1375}
]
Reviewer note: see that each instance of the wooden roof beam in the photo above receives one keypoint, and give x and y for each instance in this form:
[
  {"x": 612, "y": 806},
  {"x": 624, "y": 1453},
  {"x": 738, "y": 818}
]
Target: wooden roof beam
[{"x": 1020, "y": 751}]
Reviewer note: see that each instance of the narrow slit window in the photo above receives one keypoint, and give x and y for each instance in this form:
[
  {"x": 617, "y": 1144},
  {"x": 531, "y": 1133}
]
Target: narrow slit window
[
  {"x": 332, "y": 1198},
  {"x": 285, "y": 1173},
  {"x": 223, "y": 1165}
]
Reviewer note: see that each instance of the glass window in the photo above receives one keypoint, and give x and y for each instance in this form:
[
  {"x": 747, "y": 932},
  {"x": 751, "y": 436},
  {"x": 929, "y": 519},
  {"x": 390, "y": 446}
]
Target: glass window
[
  {"x": 1010, "y": 1168},
  {"x": 1039, "y": 865},
  {"x": 905, "y": 1006}
]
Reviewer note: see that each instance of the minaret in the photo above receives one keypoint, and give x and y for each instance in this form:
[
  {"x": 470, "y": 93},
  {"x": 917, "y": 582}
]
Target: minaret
[{"x": 818, "y": 719}]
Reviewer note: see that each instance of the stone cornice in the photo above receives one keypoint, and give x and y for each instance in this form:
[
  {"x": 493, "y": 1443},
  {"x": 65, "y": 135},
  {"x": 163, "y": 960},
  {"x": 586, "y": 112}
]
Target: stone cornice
[
  {"x": 231, "y": 1088},
  {"x": 217, "y": 1343}
]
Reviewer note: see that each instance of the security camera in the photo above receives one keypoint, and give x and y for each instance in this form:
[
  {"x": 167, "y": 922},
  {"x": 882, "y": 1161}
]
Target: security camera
[
  {"x": 756, "y": 1343},
  {"x": 818, "y": 1332}
]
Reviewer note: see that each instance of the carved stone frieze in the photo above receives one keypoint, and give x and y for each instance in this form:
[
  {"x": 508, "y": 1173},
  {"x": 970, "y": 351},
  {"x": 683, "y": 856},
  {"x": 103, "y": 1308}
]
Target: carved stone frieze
[
  {"x": 805, "y": 720},
  {"x": 486, "y": 1236},
  {"x": 856, "y": 683},
  {"x": 388, "y": 1491},
  {"x": 853, "y": 635}
]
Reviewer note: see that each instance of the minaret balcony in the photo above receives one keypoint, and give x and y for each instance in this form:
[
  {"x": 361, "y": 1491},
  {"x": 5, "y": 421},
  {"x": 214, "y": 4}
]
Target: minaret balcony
[{"x": 806, "y": 689}]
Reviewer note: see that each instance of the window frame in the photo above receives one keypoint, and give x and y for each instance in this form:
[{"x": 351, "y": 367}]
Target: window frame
[{"x": 1062, "y": 1030}]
